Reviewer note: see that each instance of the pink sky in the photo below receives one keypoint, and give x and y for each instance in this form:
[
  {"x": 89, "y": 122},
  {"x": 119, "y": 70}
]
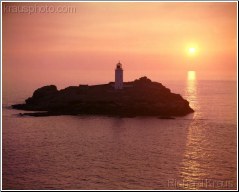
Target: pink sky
[{"x": 149, "y": 39}]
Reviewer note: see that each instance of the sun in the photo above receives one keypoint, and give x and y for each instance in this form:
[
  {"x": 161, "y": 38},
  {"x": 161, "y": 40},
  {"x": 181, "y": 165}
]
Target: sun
[{"x": 191, "y": 50}]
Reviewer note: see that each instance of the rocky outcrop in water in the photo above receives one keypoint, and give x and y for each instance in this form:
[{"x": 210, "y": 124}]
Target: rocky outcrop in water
[{"x": 141, "y": 97}]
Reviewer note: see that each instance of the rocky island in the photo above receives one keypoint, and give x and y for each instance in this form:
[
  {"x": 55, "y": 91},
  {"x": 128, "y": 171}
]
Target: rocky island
[{"x": 141, "y": 97}]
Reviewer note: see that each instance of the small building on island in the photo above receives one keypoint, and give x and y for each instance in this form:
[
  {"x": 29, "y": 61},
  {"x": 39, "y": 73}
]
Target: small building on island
[{"x": 119, "y": 83}]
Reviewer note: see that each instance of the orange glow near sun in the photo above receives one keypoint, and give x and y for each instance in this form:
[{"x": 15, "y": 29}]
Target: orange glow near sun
[{"x": 83, "y": 47}]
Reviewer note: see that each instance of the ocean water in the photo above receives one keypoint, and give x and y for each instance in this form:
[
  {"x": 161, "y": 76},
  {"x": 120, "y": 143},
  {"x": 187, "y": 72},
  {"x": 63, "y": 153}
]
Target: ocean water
[{"x": 197, "y": 151}]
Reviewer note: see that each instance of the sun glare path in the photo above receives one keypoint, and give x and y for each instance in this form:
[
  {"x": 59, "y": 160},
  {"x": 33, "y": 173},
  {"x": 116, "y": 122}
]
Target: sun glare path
[{"x": 191, "y": 75}]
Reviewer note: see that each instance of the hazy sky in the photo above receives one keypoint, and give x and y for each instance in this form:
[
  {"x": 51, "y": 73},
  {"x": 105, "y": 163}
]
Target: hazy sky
[{"x": 149, "y": 39}]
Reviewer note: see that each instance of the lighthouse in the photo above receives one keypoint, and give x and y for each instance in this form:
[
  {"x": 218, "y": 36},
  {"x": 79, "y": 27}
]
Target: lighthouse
[{"x": 119, "y": 76}]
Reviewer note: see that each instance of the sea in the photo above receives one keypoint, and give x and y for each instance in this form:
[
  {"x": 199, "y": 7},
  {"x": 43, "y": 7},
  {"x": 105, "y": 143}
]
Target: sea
[{"x": 197, "y": 151}]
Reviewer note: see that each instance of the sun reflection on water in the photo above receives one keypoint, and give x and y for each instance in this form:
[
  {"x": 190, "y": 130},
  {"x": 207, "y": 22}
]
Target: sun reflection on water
[
  {"x": 191, "y": 91},
  {"x": 191, "y": 75},
  {"x": 191, "y": 170}
]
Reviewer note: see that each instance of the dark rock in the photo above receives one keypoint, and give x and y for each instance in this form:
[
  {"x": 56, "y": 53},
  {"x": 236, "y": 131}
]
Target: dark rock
[{"x": 141, "y": 97}]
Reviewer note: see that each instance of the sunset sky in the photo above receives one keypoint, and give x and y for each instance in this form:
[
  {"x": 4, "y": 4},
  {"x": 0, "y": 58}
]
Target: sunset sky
[{"x": 150, "y": 39}]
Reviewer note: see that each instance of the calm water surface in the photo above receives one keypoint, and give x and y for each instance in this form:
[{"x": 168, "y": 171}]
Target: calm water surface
[{"x": 197, "y": 151}]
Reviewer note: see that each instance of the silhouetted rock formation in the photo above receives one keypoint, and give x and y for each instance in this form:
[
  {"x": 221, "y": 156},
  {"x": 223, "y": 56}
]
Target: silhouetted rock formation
[{"x": 141, "y": 97}]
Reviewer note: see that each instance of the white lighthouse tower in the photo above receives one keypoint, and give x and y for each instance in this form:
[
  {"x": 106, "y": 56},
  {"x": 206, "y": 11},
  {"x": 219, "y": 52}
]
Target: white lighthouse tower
[{"x": 119, "y": 76}]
